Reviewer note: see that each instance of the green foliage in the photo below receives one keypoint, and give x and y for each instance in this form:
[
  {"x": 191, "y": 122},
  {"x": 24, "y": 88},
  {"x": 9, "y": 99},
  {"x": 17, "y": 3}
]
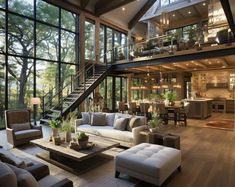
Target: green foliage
[
  {"x": 155, "y": 97},
  {"x": 170, "y": 95},
  {"x": 155, "y": 121},
  {"x": 81, "y": 136},
  {"x": 54, "y": 124},
  {"x": 68, "y": 122}
]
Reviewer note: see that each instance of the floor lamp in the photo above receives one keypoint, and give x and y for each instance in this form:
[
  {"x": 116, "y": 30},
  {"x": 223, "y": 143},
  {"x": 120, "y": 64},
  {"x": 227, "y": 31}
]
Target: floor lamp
[{"x": 35, "y": 101}]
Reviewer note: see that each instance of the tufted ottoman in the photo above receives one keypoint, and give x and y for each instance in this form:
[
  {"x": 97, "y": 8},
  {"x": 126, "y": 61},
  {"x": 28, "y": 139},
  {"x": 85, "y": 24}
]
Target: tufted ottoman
[{"x": 149, "y": 162}]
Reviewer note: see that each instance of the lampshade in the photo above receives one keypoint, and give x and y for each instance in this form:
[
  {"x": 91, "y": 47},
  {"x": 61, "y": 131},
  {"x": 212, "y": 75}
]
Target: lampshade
[{"x": 35, "y": 101}]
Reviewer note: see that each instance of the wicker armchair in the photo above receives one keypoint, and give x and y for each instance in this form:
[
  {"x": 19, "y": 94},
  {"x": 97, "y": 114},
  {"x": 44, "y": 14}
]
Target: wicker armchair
[{"x": 18, "y": 127}]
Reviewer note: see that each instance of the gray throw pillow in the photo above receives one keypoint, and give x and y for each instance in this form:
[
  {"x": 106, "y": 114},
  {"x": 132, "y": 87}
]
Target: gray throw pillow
[
  {"x": 86, "y": 117},
  {"x": 134, "y": 122},
  {"x": 110, "y": 119},
  {"x": 24, "y": 178},
  {"x": 98, "y": 119},
  {"x": 8, "y": 157},
  {"x": 121, "y": 123},
  {"x": 20, "y": 126}
]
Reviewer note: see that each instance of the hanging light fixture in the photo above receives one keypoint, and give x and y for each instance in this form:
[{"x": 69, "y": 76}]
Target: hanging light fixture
[{"x": 164, "y": 20}]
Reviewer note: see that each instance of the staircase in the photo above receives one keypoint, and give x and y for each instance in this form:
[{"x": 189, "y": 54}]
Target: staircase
[{"x": 89, "y": 78}]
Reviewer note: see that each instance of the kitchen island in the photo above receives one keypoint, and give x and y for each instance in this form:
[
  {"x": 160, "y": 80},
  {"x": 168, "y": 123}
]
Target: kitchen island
[{"x": 200, "y": 108}]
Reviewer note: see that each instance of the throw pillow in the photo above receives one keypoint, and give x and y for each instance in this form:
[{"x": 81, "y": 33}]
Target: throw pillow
[
  {"x": 8, "y": 157},
  {"x": 121, "y": 123},
  {"x": 20, "y": 126},
  {"x": 86, "y": 117},
  {"x": 110, "y": 119},
  {"x": 134, "y": 122},
  {"x": 98, "y": 119},
  {"x": 24, "y": 178},
  {"x": 7, "y": 176}
]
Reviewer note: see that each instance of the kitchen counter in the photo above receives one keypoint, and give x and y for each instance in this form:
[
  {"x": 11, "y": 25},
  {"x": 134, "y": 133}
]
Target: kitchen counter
[{"x": 200, "y": 108}]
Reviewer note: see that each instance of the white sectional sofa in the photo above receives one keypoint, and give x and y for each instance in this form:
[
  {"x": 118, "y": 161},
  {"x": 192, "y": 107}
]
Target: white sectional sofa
[{"x": 122, "y": 128}]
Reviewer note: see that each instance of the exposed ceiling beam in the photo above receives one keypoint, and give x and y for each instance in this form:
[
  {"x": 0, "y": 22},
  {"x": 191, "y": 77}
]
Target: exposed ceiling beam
[
  {"x": 227, "y": 10},
  {"x": 197, "y": 11},
  {"x": 225, "y": 62},
  {"x": 179, "y": 13},
  {"x": 180, "y": 66},
  {"x": 168, "y": 67},
  {"x": 197, "y": 63},
  {"x": 104, "y": 6},
  {"x": 140, "y": 13},
  {"x": 84, "y": 3}
]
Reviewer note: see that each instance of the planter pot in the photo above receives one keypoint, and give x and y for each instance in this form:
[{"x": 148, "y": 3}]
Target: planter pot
[
  {"x": 83, "y": 142},
  {"x": 56, "y": 140},
  {"x": 68, "y": 136},
  {"x": 171, "y": 103},
  {"x": 55, "y": 132}
]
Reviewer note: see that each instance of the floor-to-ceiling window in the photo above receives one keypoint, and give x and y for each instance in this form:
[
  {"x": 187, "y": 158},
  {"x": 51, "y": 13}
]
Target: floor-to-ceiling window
[
  {"x": 112, "y": 44},
  {"x": 89, "y": 40},
  {"x": 38, "y": 51}
]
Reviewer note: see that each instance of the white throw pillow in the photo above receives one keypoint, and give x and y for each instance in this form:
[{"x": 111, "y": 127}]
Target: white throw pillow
[{"x": 133, "y": 122}]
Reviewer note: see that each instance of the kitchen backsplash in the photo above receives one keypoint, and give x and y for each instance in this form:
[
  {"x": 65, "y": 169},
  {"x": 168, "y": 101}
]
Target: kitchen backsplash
[{"x": 218, "y": 93}]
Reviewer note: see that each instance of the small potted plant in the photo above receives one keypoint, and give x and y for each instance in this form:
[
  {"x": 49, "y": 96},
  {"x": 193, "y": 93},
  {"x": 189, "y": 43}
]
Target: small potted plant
[
  {"x": 55, "y": 125},
  {"x": 82, "y": 139},
  {"x": 68, "y": 126},
  {"x": 155, "y": 122},
  {"x": 170, "y": 96}
]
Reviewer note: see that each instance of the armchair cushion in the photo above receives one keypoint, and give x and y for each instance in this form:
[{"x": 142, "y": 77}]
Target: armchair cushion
[
  {"x": 27, "y": 134},
  {"x": 20, "y": 126},
  {"x": 24, "y": 178},
  {"x": 86, "y": 117}
]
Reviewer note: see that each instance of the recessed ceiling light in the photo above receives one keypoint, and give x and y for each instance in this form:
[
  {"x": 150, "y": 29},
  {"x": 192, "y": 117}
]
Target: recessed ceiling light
[
  {"x": 223, "y": 66},
  {"x": 187, "y": 64},
  {"x": 204, "y": 4},
  {"x": 123, "y": 8},
  {"x": 189, "y": 12},
  {"x": 173, "y": 15},
  {"x": 209, "y": 62}
]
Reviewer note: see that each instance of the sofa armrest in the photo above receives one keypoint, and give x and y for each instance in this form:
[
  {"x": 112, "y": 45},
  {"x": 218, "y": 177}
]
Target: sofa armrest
[
  {"x": 138, "y": 138},
  {"x": 63, "y": 183},
  {"x": 37, "y": 127},
  {"x": 38, "y": 170},
  {"x": 78, "y": 122}
]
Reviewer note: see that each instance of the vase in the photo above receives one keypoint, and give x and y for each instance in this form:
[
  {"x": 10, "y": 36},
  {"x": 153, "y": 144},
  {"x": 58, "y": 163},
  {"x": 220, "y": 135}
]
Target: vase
[
  {"x": 56, "y": 140},
  {"x": 55, "y": 132},
  {"x": 83, "y": 142},
  {"x": 68, "y": 136}
]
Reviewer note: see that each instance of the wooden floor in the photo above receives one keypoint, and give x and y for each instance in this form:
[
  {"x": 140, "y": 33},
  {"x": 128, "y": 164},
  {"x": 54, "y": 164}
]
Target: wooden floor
[{"x": 208, "y": 160}]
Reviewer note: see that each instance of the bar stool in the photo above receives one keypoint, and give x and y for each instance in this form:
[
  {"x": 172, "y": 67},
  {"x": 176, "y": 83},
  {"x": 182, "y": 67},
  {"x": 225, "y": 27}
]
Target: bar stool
[{"x": 183, "y": 113}]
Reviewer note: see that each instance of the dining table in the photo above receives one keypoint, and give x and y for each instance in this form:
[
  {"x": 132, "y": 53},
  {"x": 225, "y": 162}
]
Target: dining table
[{"x": 174, "y": 110}]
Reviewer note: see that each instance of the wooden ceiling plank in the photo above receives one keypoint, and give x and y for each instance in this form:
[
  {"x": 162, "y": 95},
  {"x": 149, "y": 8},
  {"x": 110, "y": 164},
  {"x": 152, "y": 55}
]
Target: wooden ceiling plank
[
  {"x": 180, "y": 66},
  {"x": 198, "y": 63},
  {"x": 104, "y": 6},
  {"x": 140, "y": 13},
  {"x": 84, "y": 3}
]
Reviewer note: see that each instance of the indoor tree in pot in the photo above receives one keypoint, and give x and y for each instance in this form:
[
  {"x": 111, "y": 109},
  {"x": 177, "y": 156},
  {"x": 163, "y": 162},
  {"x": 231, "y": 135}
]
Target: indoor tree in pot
[
  {"x": 170, "y": 96},
  {"x": 155, "y": 122}
]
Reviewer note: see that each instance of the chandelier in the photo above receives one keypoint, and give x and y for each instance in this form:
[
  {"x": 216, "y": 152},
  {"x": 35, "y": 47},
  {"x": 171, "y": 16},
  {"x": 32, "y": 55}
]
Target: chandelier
[{"x": 164, "y": 20}]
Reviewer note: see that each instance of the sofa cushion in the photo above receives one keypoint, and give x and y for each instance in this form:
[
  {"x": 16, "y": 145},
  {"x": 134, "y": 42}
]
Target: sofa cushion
[
  {"x": 24, "y": 178},
  {"x": 8, "y": 157},
  {"x": 110, "y": 119},
  {"x": 20, "y": 126},
  {"x": 98, "y": 119},
  {"x": 86, "y": 117},
  {"x": 108, "y": 132},
  {"x": 121, "y": 123},
  {"x": 133, "y": 122},
  {"x": 7, "y": 176},
  {"x": 120, "y": 115},
  {"x": 27, "y": 134}
]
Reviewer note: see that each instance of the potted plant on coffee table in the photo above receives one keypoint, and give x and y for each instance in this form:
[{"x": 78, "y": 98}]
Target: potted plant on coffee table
[
  {"x": 55, "y": 125},
  {"x": 68, "y": 126},
  {"x": 82, "y": 139}
]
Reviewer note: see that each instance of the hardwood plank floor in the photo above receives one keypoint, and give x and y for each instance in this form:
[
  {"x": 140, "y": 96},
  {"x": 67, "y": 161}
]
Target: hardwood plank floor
[{"x": 208, "y": 160}]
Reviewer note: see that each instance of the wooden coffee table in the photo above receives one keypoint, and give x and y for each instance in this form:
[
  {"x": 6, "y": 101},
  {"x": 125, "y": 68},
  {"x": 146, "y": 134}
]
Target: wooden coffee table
[{"x": 71, "y": 160}]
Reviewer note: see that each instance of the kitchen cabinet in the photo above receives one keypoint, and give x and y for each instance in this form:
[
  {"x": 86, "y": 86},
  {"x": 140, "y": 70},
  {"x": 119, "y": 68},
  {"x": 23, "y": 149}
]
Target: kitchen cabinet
[{"x": 230, "y": 105}]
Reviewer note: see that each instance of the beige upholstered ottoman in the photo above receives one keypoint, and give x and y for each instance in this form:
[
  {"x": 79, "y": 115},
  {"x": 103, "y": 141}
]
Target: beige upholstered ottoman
[{"x": 149, "y": 162}]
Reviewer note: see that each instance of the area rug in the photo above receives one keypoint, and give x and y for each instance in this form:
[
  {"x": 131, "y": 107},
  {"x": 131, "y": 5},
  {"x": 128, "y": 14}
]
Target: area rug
[{"x": 221, "y": 124}]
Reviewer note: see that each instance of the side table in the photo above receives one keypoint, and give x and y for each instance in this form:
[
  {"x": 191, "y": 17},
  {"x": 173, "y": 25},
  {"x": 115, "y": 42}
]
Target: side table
[{"x": 168, "y": 140}]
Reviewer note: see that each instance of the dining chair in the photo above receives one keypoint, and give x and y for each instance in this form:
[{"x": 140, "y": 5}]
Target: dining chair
[
  {"x": 132, "y": 108},
  {"x": 183, "y": 113},
  {"x": 144, "y": 109},
  {"x": 122, "y": 107},
  {"x": 161, "y": 110}
]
